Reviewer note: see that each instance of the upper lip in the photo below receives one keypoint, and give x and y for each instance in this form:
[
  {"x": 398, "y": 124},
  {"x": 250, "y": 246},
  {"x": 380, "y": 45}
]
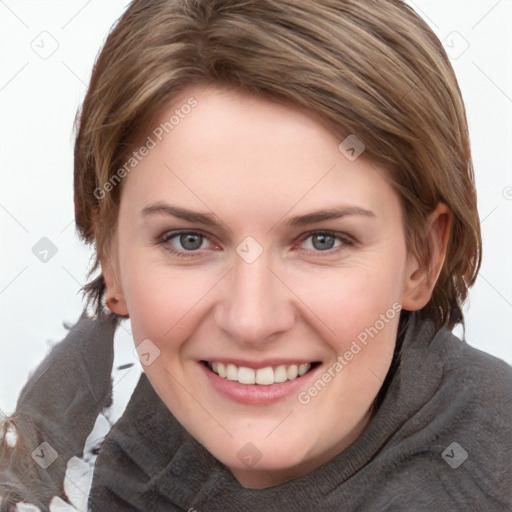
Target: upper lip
[{"x": 260, "y": 364}]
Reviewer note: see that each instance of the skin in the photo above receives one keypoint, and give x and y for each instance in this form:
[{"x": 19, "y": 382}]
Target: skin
[{"x": 252, "y": 164}]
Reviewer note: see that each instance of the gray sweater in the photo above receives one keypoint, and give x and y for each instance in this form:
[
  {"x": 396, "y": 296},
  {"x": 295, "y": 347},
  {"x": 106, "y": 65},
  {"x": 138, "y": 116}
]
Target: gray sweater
[{"x": 440, "y": 441}]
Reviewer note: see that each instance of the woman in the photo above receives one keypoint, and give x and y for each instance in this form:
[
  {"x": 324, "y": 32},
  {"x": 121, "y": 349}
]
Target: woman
[{"x": 281, "y": 199}]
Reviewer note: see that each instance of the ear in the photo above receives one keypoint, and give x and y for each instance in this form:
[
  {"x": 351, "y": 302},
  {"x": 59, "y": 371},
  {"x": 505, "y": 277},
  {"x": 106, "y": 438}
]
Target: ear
[
  {"x": 420, "y": 280},
  {"x": 115, "y": 299}
]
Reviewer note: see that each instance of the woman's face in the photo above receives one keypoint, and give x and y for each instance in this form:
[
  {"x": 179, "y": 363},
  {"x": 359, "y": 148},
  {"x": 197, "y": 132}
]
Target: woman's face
[{"x": 250, "y": 245}]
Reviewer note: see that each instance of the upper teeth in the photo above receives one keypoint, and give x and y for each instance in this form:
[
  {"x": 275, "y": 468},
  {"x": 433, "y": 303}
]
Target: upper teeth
[{"x": 263, "y": 376}]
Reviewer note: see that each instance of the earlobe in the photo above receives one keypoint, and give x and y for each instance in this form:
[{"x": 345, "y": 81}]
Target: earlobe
[
  {"x": 115, "y": 299},
  {"x": 421, "y": 279},
  {"x": 117, "y": 305},
  {"x": 416, "y": 292}
]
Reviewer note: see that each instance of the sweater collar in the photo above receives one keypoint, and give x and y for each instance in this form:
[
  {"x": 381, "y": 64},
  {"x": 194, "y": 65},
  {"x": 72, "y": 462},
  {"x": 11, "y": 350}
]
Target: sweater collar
[{"x": 148, "y": 458}]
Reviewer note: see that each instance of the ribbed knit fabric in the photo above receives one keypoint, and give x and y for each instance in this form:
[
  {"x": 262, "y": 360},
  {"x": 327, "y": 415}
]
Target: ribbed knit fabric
[{"x": 441, "y": 441}]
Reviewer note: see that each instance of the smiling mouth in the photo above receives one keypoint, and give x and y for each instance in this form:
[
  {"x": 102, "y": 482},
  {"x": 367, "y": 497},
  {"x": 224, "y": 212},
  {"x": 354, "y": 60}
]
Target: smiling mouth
[{"x": 262, "y": 376}]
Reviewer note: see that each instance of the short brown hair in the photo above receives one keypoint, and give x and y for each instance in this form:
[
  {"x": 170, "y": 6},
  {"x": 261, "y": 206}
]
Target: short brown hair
[{"x": 372, "y": 68}]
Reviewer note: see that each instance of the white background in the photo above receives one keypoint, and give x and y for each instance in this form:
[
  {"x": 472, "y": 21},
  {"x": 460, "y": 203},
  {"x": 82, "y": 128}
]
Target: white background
[{"x": 38, "y": 100}]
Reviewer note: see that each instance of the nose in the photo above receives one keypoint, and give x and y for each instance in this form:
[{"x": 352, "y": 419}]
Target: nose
[{"x": 256, "y": 306}]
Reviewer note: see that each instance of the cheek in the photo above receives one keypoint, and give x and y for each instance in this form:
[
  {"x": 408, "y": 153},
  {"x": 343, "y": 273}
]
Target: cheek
[
  {"x": 363, "y": 318},
  {"x": 162, "y": 300},
  {"x": 348, "y": 300},
  {"x": 358, "y": 313},
  {"x": 166, "y": 305}
]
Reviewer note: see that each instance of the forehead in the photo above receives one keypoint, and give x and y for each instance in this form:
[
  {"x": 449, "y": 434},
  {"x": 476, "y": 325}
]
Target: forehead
[{"x": 217, "y": 145}]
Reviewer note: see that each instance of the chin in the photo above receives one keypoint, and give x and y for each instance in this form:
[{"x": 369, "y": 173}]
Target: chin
[
  {"x": 259, "y": 456},
  {"x": 271, "y": 471}
]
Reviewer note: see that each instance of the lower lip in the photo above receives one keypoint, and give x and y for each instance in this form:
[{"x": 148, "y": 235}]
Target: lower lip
[{"x": 257, "y": 394}]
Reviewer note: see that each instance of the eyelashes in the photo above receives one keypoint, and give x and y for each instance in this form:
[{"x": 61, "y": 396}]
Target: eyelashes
[
  {"x": 194, "y": 237},
  {"x": 191, "y": 242}
]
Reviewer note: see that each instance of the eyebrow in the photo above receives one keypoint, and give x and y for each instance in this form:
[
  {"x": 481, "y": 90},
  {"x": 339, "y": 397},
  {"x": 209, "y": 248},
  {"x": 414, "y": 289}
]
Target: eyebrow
[{"x": 207, "y": 219}]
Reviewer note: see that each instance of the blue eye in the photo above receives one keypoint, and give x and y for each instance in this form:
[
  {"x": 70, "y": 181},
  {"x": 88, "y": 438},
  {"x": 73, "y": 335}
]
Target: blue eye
[
  {"x": 189, "y": 242},
  {"x": 322, "y": 241},
  {"x": 326, "y": 242}
]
